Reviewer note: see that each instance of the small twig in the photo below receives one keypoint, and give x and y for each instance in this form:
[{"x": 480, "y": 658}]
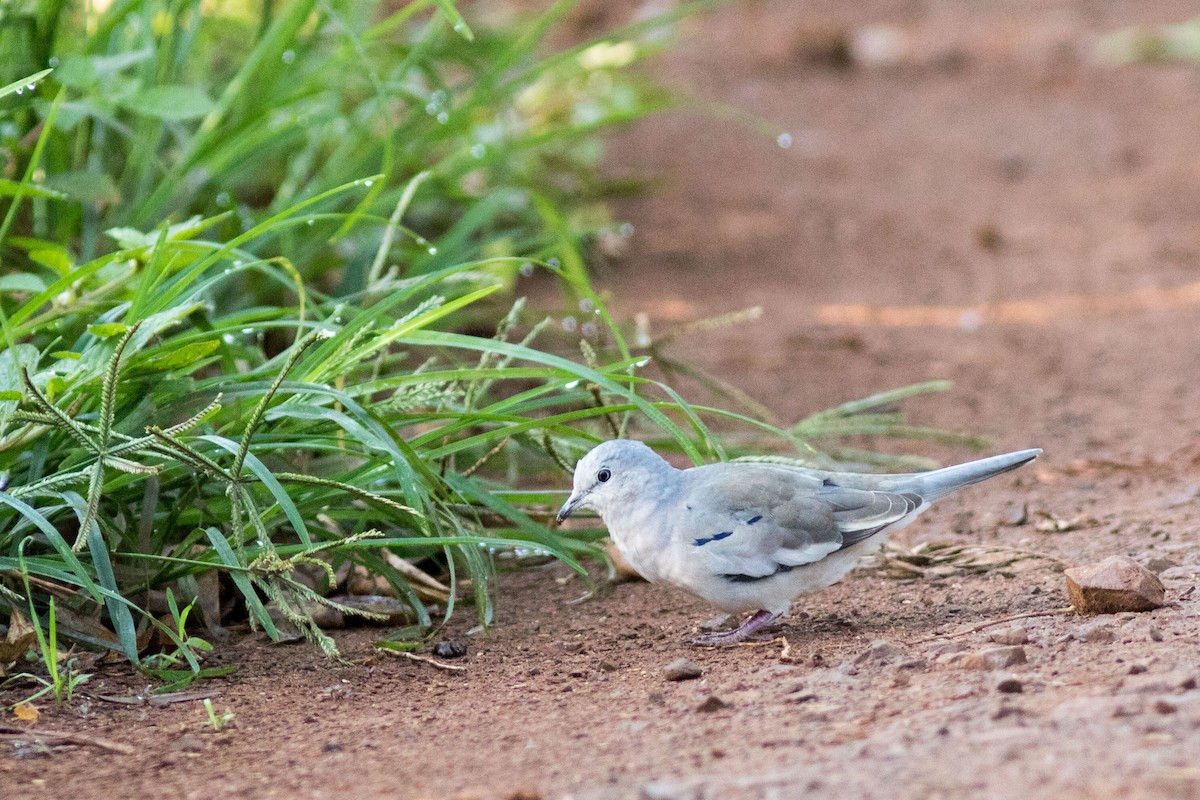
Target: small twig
[
  {"x": 156, "y": 699},
  {"x": 433, "y": 662},
  {"x": 52, "y": 737},
  {"x": 1002, "y": 620}
]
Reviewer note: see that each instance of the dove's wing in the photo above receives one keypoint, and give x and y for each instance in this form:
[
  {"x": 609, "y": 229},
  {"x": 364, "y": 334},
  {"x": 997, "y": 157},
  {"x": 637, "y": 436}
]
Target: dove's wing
[{"x": 750, "y": 521}]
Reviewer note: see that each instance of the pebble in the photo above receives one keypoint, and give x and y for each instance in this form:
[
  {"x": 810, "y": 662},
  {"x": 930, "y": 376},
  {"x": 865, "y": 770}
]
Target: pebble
[
  {"x": 1014, "y": 634},
  {"x": 1155, "y": 633},
  {"x": 712, "y": 703},
  {"x": 1010, "y": 686},
  {"x": 1159, "y": 564},
  {"x": 188, "y": 743},
  {"x": 1163, "y": 707},
  {"x": 880, "y": 651},
  {"x": 1118, "y": 583},
  {"x": 1180, "y": 680},
  {"x": 1097, "y": 631},
  {"x": 681, "y": 669},
  {"x": 990, "y": 658}
]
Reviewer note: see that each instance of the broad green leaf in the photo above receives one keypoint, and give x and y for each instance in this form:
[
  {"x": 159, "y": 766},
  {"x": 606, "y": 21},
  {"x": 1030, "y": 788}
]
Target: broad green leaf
[
  {"x": 22, "y": 282},
  {"x": 56, "y": 258},
  {"x": 174, "y": 103},
  {"x": 85, "y": 186},
  {"x": 12, "y": 361}
]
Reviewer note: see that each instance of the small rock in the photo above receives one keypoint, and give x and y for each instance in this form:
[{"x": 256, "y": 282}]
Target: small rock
[
  {"x": 715, "y": 623},
  {"x": 1118, "y": 583},
  {"x": 1137, "y": 669},
  {"x": 569, "y": 647},
  {"x": 1159, "y": 564},
  {"x": 991, "y": 658},
  {"x": 880, "y": 651},
  {"x": 1163, "y": 707},
  {"x": 448, "y": 648},
  {"x": 1181, "y": 680},
  {"x": 713, "y": 703},
  {"x": 1011, "y": 635},
  {"x": 1098, "y": 631},
  {"x": 1016, "y": 516},
  {"x": 1010, "y": 686},
  {"x": 188, "y": 743},
  {"x": 681, "y": 669},
  {"x": 1155, "y": 633}
]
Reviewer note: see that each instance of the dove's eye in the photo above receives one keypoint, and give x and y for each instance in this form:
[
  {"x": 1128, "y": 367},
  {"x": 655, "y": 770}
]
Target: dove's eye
[{"x": 603, "y": 475}]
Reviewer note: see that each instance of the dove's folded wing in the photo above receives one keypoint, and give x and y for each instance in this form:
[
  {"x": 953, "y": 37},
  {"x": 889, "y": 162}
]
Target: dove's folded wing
[{"x": 748, "y": 523}]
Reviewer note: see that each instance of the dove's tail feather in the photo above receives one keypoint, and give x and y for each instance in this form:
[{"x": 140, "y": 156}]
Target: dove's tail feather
[{"x": 941, "y": 482}]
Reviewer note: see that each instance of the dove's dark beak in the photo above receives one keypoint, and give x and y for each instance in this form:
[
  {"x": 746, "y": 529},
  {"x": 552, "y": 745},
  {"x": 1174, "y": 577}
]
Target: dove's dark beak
[{"x": 569, "y": 507}]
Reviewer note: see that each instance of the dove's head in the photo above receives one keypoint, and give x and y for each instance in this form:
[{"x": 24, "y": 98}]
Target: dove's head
[{"x": 611, "y": 473}]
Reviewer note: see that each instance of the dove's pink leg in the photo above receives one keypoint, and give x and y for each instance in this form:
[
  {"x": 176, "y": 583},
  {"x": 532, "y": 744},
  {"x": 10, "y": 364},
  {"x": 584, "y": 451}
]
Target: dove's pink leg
[{"x": 756, "y": 621}]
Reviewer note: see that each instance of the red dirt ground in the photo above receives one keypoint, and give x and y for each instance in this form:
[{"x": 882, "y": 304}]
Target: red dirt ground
[{"x": 991, "y": 206}]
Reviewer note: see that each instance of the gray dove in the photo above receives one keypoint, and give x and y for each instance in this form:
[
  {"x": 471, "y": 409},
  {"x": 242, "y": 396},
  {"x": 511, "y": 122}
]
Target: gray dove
[{"x": 753, "y": 536}]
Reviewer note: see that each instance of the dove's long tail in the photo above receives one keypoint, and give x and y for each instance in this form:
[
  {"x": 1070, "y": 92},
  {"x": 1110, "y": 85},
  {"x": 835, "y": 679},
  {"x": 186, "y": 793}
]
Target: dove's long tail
[{"x": 941, "y": 482}]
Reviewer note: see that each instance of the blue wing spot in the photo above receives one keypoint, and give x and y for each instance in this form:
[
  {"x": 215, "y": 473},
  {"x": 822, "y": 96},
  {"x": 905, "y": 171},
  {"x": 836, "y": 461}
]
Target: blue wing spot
[
  {"x": 753, "y": 520},
  {"x": 714, "y": 538}
]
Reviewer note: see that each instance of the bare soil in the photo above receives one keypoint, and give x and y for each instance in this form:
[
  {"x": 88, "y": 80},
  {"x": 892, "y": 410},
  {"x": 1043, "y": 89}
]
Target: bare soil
[{"x": 982, "y": 202}]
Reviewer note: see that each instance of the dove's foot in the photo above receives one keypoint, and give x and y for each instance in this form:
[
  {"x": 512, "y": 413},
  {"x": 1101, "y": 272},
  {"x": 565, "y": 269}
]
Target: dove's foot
[{"x": 748, "y": 630}]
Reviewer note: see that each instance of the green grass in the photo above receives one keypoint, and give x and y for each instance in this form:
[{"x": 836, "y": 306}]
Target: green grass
[{"x": 240, "y": 252}]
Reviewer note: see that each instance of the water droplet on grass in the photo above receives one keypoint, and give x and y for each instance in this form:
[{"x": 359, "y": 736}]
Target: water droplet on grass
[
  {"x": 784, "y": 140},
  {"x": 288, "y": 56},
  {"x": 478, "y": 150},
  {"x": 589, "y": 330},
  {"x": 641, "y": 362},
  {"x": 223, "y": 199},
  {"x": 368, "y": 183},
  {"x": 310, "y": 221},
  {"x": 54, "y": 62},
  {"x": 571, "y": 385},
  {"x": 527, "y": 269},
  {"x": 586, "y": 305},
  {"x": 248, "y": 331},
  {"x": 553, "y": 262},
  {"x": 626, "y": 229},
  {"x": 443, "y": 117},
  {"x": 569, "y": 324},
  {"x": 433, "y": 251}
]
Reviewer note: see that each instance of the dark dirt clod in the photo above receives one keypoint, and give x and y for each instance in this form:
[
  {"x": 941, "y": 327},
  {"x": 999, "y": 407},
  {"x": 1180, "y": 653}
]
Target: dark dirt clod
[{"x": 449, "y": 648}]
